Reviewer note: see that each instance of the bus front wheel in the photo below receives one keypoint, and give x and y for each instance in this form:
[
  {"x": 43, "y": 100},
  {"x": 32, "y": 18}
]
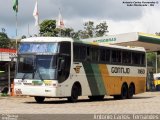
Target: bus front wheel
[
  {"x": 39, "y": 99},
  {"x": 74, "y": 94}
]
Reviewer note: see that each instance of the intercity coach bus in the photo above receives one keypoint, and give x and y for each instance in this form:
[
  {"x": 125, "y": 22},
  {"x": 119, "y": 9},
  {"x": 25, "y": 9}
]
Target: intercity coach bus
[{"x": 63, "y": 68}]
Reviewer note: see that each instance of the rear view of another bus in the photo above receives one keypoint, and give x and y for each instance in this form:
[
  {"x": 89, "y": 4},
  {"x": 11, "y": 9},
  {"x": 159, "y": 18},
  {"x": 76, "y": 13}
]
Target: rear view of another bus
[{"x": 157, "y": 81}]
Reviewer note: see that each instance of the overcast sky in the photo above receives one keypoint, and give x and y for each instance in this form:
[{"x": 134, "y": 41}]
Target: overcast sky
[{"x": 119, "y": 17}]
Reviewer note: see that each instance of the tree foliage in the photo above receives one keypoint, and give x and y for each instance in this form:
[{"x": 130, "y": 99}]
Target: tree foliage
[
  {"x": 92, "y": 30},
  {"x": 157, "y": 33},
  {"x": 101, "y": 29},
  {"x": 4, "y": 40},
  {"x": 47, "y": 28},
  {"x": 151, "y": 58}
]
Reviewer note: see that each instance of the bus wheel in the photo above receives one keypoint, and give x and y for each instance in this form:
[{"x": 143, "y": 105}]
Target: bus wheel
[
  {"x": 130, "y": 91},
  {"x": 74, "y": 94},
  {"x": 124, "y": 91},
  {"x": 98, "y": 97},
  {"x": 157, "y": 87},
  {"x": 39, "y": 99}
]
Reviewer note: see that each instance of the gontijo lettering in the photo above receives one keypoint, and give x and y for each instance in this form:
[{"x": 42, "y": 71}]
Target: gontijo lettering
[{"x": 120, "y": 70}]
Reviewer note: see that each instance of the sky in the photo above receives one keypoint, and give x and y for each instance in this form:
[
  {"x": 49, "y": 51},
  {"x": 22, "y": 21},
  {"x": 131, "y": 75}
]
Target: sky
[{"x": 119, "y": 17}]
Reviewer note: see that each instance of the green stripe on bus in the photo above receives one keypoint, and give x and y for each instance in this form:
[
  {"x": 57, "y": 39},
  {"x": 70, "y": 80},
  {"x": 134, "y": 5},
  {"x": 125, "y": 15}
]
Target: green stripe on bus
[
  {"x": 149, "y": 39},
  {"x": 91, "y": 78},
  {"x": 94, "y": 79},
  {"x": 99, "y": 79}
]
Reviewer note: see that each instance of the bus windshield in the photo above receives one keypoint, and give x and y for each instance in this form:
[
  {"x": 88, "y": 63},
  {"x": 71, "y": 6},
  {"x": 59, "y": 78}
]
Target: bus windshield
[
  {"x": 41, "y": 67},
  {"x": 38, "y": 48}
]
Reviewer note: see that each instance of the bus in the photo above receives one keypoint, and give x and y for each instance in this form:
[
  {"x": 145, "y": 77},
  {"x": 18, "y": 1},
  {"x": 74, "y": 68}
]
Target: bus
[
  {"x": 156, "y": 81},
  {"x": 56, "y": 67}
]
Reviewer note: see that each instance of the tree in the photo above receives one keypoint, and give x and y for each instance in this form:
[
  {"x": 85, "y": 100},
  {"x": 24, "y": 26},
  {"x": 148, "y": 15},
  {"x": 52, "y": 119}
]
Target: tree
[
  {"x": 151, "y": 58},
  {"x": 101, "y": 29},
  {"x": 47, "y": 28},
  {"x": 157, "y": 33},
  {"x": 90, "y": 30},
  {"x": 4, "y": 40}
]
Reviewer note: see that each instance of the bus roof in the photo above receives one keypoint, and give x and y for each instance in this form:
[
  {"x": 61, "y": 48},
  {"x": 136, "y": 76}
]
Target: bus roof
[
  {"x": 113, "y": 46},
  {"x": 46, "y": 39},
  {"x": 149, "y": 41},
  {"x": 61, "y": 39}
]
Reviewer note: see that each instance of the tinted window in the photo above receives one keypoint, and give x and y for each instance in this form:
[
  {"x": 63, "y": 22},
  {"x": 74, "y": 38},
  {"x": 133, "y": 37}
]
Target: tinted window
[
  {"x": 135, "y": 58},
  {"x": 126, "y": 57},
  {"x": 95, "y": 54},
  {"x": 116, "y": 56},
  {"x": 79, "y": 53},
  {"x": 65, "y": 48}
]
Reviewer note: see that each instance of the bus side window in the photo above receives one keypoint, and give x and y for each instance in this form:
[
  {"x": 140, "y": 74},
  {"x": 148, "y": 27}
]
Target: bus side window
[
  {"x": 143, "y": 61},
  {"x": 79, "y": 53},
  {"x": 65, "y": 48},
  {"x": 107, "y": 55},
  {"x": 135, "y": 58},
  {"x": 95, "y": 54},
  {"x": 116, "y": 56},
  {"x": 88, "y": 54},
  {"x": 102, "y": 55},
  {"x": 126, "y": 57},
  {"x": 82, "y": 54},
  {"x": 76, "y": 52}
]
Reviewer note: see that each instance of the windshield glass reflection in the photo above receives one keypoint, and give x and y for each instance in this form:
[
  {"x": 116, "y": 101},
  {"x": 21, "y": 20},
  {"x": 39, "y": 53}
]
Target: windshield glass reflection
[{"x": 37, "y": 67}]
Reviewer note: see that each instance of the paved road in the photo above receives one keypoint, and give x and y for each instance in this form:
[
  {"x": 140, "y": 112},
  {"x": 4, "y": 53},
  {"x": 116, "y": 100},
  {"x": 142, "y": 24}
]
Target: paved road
[
  {"x": 17, "y": 108},
  {"x": 148, "y": 103}
]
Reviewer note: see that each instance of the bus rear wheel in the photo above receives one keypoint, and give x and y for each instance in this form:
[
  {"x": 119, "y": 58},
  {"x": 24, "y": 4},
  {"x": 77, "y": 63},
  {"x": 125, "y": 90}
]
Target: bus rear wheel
[
  {"x": 98, "y": 97},
  {"x": 39, "y": 99},
  {"x": 124, "y": 91},
  {"x": 131, "y": 91},
  {"x": 74, "y": 94}
]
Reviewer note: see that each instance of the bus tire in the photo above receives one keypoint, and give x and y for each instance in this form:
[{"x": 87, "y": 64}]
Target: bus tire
[
  {"x": 39, "y": 99},
  {"x": 74, "y": 93},
  {"x": 157, "y": 87},
  {"x": 124, "y": 91},
  {"x": 5, "y": 90},
  {"x": 96, "y": 98},
  {"x": 131, "y": 91}
]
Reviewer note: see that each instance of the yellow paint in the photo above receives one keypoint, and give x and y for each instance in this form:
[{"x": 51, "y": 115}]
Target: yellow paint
[
  {"x": 149, "y": 35},
  {"x": 113, "y": 84},
  {"x": 47, "y": 81},
  {"x": 104, "y": 74},
  {"x": 156, "y": 82}
]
